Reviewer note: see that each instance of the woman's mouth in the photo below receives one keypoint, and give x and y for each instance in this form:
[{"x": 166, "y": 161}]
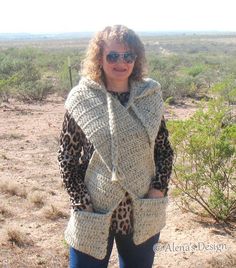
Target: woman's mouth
[{"x": 119, "y": 70}]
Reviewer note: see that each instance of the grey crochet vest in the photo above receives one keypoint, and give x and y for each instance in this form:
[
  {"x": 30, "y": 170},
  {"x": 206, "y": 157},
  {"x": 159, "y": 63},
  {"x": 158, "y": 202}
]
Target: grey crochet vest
[{"x": 123, "y": 160}]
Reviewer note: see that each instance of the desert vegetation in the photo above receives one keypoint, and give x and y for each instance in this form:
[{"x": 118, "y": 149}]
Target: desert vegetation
[
  {"x": 205, "y": 160},
  {"x": 185, "y": 66},
  {"x": 198, "y": 78}
]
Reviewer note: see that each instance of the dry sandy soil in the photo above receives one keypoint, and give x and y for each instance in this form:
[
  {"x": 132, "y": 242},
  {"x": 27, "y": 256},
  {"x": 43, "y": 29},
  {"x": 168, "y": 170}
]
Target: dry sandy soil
[{"x": 34, "y": 207}]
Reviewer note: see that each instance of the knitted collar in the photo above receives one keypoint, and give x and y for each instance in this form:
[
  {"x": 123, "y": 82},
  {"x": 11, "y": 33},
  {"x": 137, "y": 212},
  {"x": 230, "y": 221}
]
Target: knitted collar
[{"x": 138, "y": 89}]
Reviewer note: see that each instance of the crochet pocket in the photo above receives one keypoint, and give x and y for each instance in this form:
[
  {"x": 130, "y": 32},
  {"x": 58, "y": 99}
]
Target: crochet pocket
[
  {"x": 149, "y": 217},
  {"x": 88, "y": 232}
]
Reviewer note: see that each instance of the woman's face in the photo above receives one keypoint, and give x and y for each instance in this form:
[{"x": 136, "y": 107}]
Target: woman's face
[{"x": 117, "y": 61}]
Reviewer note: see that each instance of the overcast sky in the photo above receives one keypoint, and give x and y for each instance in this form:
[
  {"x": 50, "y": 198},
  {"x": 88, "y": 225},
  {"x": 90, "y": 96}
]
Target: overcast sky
[{"x": 54, "y": 16}]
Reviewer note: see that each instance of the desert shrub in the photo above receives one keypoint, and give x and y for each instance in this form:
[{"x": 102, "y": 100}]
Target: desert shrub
[
  {"x": 29, "y": 86},
  {"x": 226, "y": 89},
  {"x": 17, "y": 238},
  {"x": 163, "y": 69},
  {"x": 4, "y": 90},
  {"x": 33, "y": 91},
  {"x": 178, "y": 86},
  {"x": 53, "y": 213},
  {"x": 204, "y": 169},
  {"x": 4, "y": 212},
  {"x": 222, "y": 260},
  {"x": 195, "y": 70},
  {"x": 37, "y": 198},
  {"x": 12, "y": 188},
  {"x": 167, "y": 84},
  {"x": 182, "y": 75},
  {"x": 19, "y": 76},
  {"x": 8, "y": 69}
]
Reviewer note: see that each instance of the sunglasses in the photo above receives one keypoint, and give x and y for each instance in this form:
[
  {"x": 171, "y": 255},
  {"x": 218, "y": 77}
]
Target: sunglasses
[{"x": 127, "y": 57}]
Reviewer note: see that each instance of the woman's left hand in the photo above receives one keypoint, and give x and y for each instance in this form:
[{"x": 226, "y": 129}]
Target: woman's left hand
[{"x": 154, "y": 193}]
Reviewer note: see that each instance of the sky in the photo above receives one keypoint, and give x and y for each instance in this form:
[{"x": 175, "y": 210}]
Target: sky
[{"x": 61, "y": 16}]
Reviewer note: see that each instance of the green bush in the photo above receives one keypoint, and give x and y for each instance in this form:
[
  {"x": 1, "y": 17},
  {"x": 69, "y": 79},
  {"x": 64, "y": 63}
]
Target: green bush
[
  {"x": 28, "y": 85},
  {"x": 32, "y": 73},
  {"x": 226, "y": 89},
  {"x": 33, "y": 91},
  {"x": 204, "y": 169},
  {"x": 196, "y": 70},
  {"x": 182, "y": 75},
  {"x": 19, "y": 76}
]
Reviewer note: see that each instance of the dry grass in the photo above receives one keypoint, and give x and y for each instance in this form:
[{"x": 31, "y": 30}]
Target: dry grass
[
  {"x": 4, "y": 213},
  {"x": 226, "y": 261},
  {"x": 51, "y": 192},
  {"x": 17, "y": 238},
  {"x": 12, "y": 188},
  {"x": 37, "y": 198},
  {"x": 11, "y": 136},
  {"x": 4, "y": 157},
  {"x": 53, "y": 213}
]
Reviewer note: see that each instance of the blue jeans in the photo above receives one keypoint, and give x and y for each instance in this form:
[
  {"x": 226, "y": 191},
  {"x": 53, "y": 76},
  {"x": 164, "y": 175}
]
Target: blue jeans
[{"x": 129, "y": 254}]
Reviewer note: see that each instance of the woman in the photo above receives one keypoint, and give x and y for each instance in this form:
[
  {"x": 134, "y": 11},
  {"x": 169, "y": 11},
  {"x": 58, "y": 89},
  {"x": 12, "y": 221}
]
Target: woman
[{"x": 114, "y": 156}]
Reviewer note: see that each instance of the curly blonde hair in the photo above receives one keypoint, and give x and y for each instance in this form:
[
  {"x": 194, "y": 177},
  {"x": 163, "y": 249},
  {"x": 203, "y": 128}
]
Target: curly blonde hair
[{"x": 91, "y": 64}]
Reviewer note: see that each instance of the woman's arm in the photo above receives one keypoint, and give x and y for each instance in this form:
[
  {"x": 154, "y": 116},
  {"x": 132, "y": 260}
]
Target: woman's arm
[
  {"x": 163, "y": 155},
  {"x": 73, "y": 156}
]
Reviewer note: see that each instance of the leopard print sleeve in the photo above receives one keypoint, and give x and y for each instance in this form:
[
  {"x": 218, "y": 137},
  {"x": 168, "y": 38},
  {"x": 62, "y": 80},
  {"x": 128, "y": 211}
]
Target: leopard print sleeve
[
  {"x": 163, "y": 156},
  {"x": 74, "y": 154}
]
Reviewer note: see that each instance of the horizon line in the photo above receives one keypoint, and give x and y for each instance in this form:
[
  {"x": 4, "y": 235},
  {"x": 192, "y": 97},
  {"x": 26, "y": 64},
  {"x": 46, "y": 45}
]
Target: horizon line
[{"x": 137, "y": 31}]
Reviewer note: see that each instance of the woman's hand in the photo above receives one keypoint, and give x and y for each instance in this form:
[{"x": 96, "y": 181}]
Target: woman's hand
[
  {"x": 89, "y": 208},
  {"x": 154, "y": 193}
]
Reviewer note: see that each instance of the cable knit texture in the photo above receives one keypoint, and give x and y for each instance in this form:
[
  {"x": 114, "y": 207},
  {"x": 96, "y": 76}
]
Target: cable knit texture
[{"x": 123, "y": 161}]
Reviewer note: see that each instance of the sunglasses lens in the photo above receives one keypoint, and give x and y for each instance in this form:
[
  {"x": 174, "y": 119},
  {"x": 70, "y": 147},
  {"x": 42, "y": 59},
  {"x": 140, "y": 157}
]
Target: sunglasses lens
[
  {"x": 112, "y": 57},
  {"x": 129, "y": 57}
]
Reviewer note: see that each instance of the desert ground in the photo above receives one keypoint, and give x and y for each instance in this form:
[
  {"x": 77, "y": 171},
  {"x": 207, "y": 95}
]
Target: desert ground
[{"x": 34, "y": 207}]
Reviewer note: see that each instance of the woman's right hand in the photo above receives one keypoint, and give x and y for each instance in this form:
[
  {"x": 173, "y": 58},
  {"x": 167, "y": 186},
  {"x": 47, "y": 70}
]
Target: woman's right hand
[
  {"x": 89, "y": 208},
  {"x": 154, "y": 193}
]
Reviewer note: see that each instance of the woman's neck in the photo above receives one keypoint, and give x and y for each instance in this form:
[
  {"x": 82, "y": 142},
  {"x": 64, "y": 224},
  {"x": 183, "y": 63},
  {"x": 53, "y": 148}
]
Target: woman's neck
[{"x": 117, "y": 86}]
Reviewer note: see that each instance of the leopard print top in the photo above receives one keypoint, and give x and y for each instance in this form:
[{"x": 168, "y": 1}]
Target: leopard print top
[{"x": 75, "y": 152}]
